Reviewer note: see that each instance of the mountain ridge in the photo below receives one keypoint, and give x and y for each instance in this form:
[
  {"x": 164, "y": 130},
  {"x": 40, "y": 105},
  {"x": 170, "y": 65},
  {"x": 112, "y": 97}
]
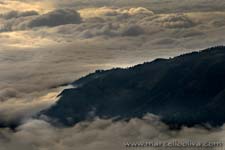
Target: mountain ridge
[{"x": 185, "y": 90}]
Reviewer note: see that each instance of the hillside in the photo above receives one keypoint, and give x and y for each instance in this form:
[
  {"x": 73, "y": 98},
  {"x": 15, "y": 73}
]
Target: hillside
[{"x": 185, "y": 90}]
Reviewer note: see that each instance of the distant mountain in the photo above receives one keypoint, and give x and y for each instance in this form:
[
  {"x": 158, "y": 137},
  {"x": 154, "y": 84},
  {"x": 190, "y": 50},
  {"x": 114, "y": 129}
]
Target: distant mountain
[{"x": 185, "y": 90}]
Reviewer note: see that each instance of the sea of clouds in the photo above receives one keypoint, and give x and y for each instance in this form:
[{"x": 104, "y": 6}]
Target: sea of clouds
[
  {"x": 102, "y": 134},
  {"x": 48, "y": 44}
]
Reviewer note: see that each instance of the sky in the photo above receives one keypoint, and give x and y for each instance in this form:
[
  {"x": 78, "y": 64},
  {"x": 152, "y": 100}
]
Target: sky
[{"x": 48, "y": 43}]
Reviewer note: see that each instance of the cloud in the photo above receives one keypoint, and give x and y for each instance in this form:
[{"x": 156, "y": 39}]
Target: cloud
[
  {"x": 175, "y": 21},
  {"x": 17, "y": 5},
  {"x": 28, "y": 20},
  {"x": 17, "y": 14},
  {"x": 162, "y": 6},
  {"x": 15, "y": 110},
  {"x": 8, "y": 93},
  {"x": 115, "y": 22},
  {"x": 55, "y": 18},
  {"x": 219, "y": 22},
  {"x": 133, "y": 31},
  {"x": 101, "y": 134},
  {"x": 113, "y": 11}
]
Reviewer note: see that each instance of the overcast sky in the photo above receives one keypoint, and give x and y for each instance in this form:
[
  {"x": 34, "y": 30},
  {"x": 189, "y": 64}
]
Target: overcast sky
[{"x": 48, "y": 43}]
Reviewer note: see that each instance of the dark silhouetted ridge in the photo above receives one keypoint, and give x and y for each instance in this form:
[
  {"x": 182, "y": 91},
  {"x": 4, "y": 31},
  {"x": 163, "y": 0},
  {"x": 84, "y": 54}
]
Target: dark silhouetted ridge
[{"x": 185, "y": 90}]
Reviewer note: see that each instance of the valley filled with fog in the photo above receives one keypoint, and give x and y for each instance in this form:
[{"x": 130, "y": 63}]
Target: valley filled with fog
[{"x": 46, "y": 45}]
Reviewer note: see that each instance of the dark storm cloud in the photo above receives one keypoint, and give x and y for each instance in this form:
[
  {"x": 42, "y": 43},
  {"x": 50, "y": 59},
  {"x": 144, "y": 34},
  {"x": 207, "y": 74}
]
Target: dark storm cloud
[{"x": 17, "y": 14}]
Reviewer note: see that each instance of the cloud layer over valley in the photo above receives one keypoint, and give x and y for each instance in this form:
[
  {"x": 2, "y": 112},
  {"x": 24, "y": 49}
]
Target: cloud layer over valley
[
  {"x": 47, "y": 44},
  {"x": 102, "y": 134}
]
